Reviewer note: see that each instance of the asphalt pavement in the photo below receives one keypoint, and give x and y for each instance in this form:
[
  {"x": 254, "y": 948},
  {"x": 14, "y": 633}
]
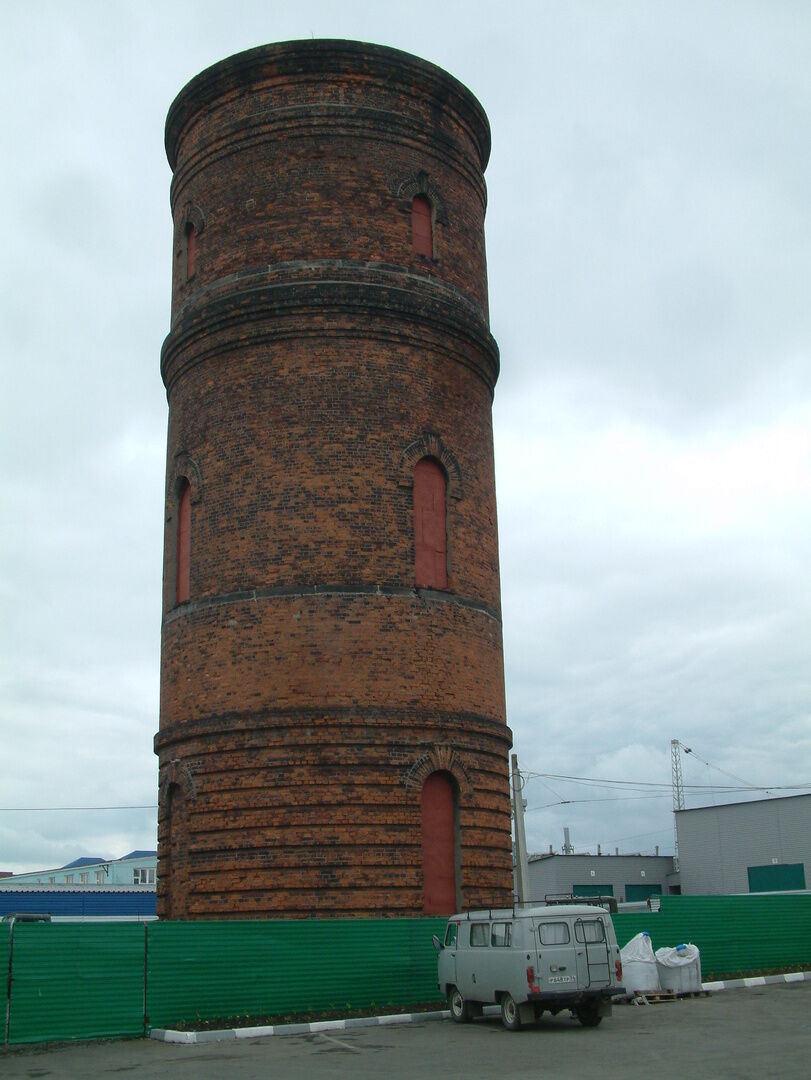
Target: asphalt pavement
[{"x": 747, "y": 1033}]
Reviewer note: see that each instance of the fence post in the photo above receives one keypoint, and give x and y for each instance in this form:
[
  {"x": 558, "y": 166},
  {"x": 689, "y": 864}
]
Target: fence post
[
  {"x": 146, "y": 954},
  {"x": 8, "y": 981}
]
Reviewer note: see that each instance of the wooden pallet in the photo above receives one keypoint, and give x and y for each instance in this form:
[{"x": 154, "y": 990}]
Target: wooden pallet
[{"x": 656, "y": 997}]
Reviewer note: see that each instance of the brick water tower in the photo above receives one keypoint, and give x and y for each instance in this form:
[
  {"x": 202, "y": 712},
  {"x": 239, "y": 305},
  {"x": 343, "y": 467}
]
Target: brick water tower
[{"x": 332, "y": 734}]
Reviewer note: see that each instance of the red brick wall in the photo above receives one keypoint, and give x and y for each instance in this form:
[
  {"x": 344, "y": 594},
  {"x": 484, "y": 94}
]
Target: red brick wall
[{"x": 308, "y": 688}]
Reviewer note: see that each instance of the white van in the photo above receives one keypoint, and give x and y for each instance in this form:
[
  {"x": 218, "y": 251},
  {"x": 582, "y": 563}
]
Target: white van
[{"x": 530, "y": 961}]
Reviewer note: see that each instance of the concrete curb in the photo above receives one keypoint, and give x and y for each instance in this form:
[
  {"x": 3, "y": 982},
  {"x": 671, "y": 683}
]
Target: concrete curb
[
  {"x": 167, "y": 1035},
  {"x": 170, "y": 1036},
  {"x": 758, "y": 980}
]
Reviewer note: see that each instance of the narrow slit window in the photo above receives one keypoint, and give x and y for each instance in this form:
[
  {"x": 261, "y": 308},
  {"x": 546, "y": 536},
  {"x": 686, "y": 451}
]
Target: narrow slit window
[
  {"x": 439, "y": 846},
  {"x": 430, "y": 529},
  {"x": 191, "y": 251},
  {"x": 422, "y": 235},
  {"x": 183, "y": 570}
]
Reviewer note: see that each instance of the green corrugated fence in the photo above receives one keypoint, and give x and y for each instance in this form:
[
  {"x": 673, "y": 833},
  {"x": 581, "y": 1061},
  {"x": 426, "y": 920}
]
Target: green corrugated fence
[
  {"x": 223, "y": 970},
  {"x": 76, "y": 981},
  {"x": 86, "y": 980},
  {"x": 733, "y": 933}
]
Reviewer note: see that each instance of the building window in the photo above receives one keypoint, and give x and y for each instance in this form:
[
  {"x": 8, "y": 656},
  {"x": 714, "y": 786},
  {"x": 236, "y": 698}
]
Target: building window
[
  {"x": 99, "y": 877},
  {"x": 430, "y": 530},
  {"x": 183, "y": 569},
  {"x": 190, "y": 227},
  {"x": 83, "y": 878},
  {"x": 68, "y": 879},
  {"x": 439, "y": 844},
  {"x": 51, "y": 880},
  {"x": 143, "y": 875},
  {"x": 422, "y": 232}
]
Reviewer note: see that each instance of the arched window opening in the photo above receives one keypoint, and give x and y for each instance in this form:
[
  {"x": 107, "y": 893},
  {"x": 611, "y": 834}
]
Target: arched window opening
[
  {"x": 422, "y": 235},
  {"x": 430, "y": 529},
  {"x": 191, "y": 250},
  {"x": 439, "y": 844},
  {"x": 183, "y": 568}
]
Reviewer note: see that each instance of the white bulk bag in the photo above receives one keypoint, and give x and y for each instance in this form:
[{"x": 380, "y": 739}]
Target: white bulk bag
[
  {"x": 679, "y": 968},
  {"x": 640, "y": 973}
]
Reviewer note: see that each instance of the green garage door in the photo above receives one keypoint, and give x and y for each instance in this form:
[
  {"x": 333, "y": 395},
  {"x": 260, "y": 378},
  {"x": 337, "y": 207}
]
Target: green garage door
[
  {"x": 777, "y": 877},
  {"x": 593, "y": 890},
  {"x": 641, "y": 892}
]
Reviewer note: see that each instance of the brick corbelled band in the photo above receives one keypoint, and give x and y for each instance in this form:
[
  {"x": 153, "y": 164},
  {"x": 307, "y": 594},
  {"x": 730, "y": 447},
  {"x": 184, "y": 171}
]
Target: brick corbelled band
[
  {"x": 310, "y": 691},
  {"x": 373, "y": 302}
]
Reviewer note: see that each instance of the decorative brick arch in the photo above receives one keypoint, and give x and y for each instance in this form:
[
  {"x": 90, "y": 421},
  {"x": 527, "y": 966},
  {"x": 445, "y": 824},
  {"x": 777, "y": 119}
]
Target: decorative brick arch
[
  {"x": 419, "y": 183},
  {"x": 182, "y": 774},
  {"x": 192, "y": 215},
  {"x": 441, "y": 758},
  {"x": 184, "y": 467},
  {"x": 430, "y": 445}
]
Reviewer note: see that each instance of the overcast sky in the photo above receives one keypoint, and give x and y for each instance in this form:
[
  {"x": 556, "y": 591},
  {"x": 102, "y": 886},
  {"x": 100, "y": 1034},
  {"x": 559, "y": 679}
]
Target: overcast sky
[{"x": 648, "y": 242}]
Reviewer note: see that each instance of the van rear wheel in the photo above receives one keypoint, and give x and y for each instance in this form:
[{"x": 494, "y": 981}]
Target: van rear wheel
[
  {"x": 588, "y": 1015},
  {"x": 510, "y": 1017},
  {"x": 460, "y": 1009}
]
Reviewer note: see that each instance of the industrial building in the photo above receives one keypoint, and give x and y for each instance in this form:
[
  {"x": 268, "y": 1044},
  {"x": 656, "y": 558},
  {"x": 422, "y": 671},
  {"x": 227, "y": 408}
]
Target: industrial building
[
  {"x": 333, "y": 736},
  {"x": 760, "y": 846},
  {"x": 625, "y": 877}
]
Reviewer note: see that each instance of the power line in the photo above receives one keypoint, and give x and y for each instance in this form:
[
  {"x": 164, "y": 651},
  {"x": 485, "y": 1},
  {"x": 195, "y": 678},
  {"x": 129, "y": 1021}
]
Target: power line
[
  {"x": 725, "y": 773},
  {"x": 665, "y": 786},
  {"x": 49, "y": 809},
  {"x": 616, "y": 798}
]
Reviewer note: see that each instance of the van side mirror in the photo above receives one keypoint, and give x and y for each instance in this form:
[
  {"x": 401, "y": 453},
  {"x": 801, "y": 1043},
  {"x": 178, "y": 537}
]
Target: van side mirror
[{"x": 437, "y": 943}]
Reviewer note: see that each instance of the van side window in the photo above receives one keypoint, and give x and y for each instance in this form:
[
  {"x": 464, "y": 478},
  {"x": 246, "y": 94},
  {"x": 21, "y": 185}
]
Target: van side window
[
  {"x": 450, "y": 933},
  {"x": 589, "y": 931},
  {"x": 554, "y": 933},
  {"x": 479, "y": 933},
  {"x": 501, "y": 935}
]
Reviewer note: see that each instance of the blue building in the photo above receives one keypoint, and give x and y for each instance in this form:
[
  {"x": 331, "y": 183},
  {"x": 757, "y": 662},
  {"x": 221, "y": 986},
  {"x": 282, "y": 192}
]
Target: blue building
[
  {"x": 73, "y": 902},
  {"x": 136, "y": 868},
  {"x": 87, "y": 888}
]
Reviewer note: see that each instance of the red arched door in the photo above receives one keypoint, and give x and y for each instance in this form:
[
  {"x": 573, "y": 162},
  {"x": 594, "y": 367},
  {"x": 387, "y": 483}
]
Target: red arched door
[{"x": 438, "y": 845}]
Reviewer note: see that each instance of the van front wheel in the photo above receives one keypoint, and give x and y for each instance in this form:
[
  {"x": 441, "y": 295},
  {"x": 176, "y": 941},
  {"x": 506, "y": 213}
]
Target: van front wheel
[
  {"x": 460, "y": 1009},
  {"x": 509, "y": 1013}
]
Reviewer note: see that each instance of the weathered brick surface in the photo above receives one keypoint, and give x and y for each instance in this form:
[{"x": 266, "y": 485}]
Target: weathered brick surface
[{"x": 307, "y": 688}]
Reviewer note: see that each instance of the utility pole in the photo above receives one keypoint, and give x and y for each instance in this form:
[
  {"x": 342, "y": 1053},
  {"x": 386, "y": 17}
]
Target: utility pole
[
  {"x": 678, "y": 793},
  {"x": 521, "y": 863}
]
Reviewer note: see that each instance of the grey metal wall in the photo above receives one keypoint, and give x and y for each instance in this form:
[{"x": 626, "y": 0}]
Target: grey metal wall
[
  {"x": 718, "y": 843},
  {"x": 561, "y": 873}
]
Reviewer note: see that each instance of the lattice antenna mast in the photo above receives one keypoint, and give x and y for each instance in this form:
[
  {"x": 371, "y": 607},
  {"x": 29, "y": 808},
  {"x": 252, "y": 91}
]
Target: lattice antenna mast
[{"x": 678, "y": 792}]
